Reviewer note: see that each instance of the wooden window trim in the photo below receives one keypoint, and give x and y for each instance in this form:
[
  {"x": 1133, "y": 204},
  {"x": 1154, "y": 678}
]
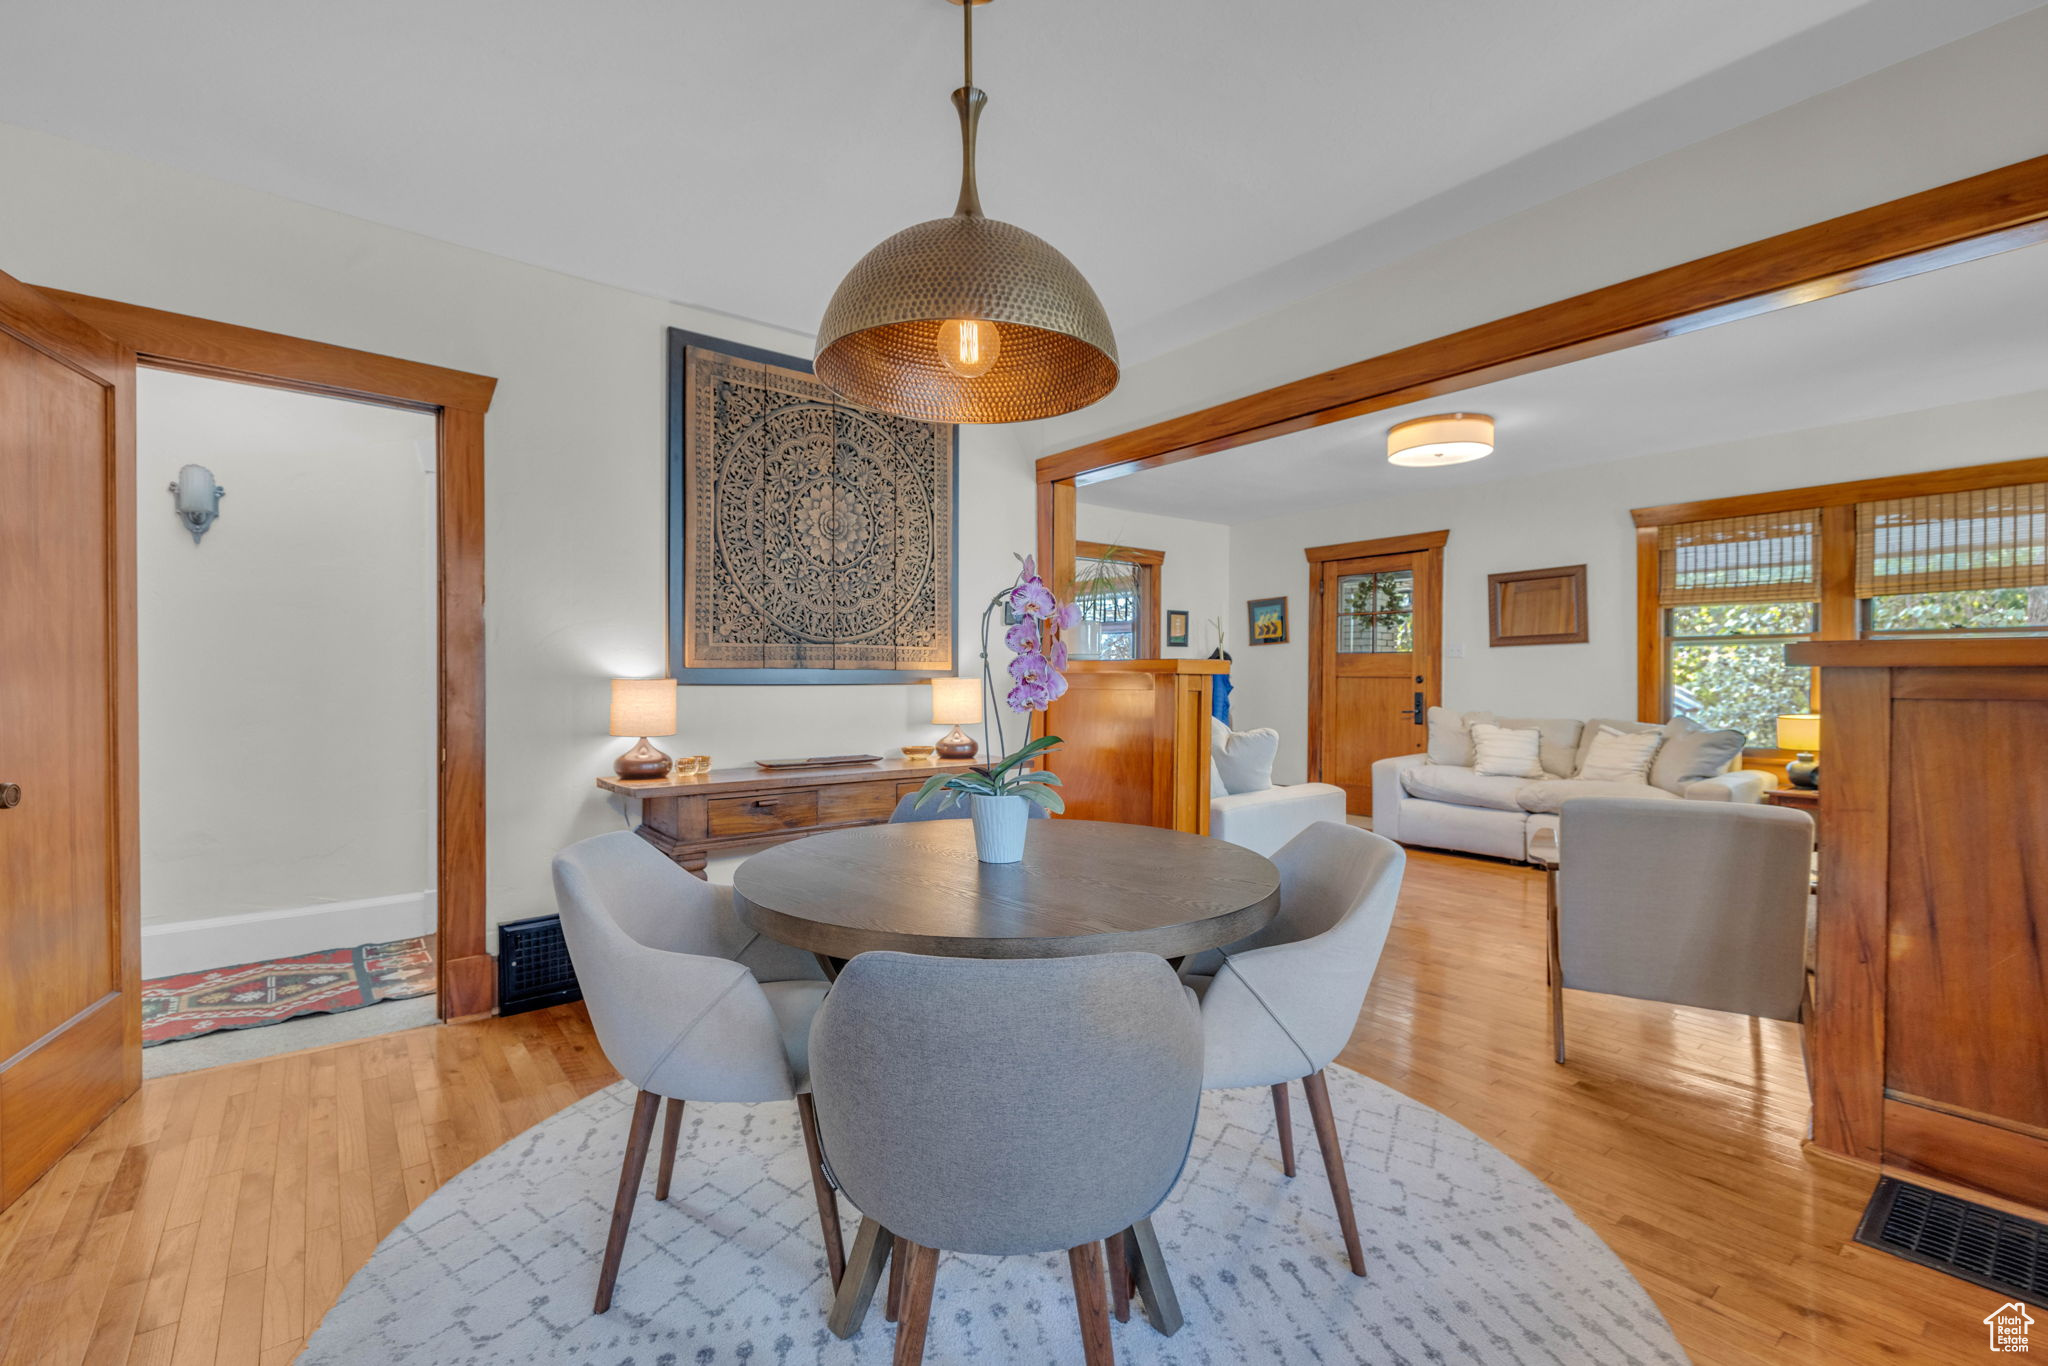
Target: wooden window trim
[
  {"x": 1840, "y": 615},
  {"x": 468, "y": 983},
  {"x": 1150, "y": 565}
]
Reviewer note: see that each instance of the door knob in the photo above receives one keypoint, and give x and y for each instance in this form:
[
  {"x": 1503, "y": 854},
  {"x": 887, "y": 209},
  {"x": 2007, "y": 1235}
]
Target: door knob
[{"x": 10, "y": 795}]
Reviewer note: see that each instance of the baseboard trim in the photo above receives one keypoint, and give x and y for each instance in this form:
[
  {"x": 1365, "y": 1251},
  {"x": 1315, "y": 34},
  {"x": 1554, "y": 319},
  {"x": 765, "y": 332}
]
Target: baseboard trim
[{"x": 182, "y": 946}]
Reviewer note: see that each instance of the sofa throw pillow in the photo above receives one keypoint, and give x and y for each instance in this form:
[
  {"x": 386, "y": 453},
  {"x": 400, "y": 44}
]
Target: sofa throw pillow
[
  {"x": 1615, "y": 757},
  {"x": 1593, "y": 729},
  {"x": 1216, "y": 787},
  {"x": 1499, "y": 752},
  {"x": 1243, "y": 757},
  {"x": 1558, "y": 750},
  {"x": 1449, "y": 741},
  {"x": 1693, "y": 754}
]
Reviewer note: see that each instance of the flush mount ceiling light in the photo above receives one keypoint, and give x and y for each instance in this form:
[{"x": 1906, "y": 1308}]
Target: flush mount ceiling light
[
  {"x": 1446, "y": 439},
  {"x": 967, "y": 319}
]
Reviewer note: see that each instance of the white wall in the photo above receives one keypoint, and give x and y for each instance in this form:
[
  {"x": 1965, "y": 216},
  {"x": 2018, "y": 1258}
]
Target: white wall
[
  {"x": 1569, "y": 517},
  {"x": 1196, "y": 575},
  {"x": 575, "y": 548}
]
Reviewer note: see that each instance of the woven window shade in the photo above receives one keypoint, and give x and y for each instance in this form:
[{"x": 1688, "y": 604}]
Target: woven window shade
[
  {"x": 1766, "y": 558},
  {"x": 1944, "y": 542}
]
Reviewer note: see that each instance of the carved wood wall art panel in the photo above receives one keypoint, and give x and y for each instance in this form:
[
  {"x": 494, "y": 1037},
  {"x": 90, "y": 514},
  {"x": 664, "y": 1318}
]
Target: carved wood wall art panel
[{"x": 810, "y": 540}]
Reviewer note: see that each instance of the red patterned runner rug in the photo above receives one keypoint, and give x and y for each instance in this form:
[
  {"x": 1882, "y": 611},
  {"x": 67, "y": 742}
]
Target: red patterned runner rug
[{"x": 252, "y": 994}]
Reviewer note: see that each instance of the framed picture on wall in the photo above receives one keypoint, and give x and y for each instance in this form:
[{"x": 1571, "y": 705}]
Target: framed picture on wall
[
  {"x": 1176, "y": 628},
  {"x": 1267, "y": 620}
]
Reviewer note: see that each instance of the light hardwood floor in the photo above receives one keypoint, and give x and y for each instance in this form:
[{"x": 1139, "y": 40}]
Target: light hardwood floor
[{"x": 217, "y": 1215}]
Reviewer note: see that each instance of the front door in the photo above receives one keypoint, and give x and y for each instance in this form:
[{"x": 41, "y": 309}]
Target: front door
[
  {"x": 70, "y": 1011},
  {"x": 1375, "y": 666}
]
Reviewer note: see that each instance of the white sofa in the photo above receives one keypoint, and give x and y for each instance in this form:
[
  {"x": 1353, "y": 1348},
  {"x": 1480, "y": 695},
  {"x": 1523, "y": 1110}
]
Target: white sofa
[
  {"x": 1439, "y": 801},
  {"x": 1244, "y": 805}
]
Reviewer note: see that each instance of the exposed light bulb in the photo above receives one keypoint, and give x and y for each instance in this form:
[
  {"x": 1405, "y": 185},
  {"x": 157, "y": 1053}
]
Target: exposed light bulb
[{"x": 968, "y": 346}]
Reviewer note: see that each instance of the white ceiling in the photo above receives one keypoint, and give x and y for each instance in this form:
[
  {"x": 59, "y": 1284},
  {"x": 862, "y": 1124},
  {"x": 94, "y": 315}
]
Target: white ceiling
[
  {"x": 1967, "y": 332},
  {"x": 1200, "y": 161}
]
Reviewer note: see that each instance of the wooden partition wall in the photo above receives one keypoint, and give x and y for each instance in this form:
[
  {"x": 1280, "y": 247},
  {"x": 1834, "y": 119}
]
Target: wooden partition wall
[
  {"x": 1931, "y": 973},
  {"x": 1137, "y": 741}
]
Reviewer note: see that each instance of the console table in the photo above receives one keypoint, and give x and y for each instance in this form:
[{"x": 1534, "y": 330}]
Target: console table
[{"x": 692, "y": 818}]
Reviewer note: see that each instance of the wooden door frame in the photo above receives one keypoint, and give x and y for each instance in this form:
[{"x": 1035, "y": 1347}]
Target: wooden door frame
[
  {"x": 1961, "y": 221},
  {"x": 467, "y": 978},
  {"x": 1429, "y": 639}
]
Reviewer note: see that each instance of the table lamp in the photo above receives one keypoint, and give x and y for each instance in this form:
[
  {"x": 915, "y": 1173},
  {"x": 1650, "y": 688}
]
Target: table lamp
[
  {"x": 1801, "y": 733},
  {"x": 643, "y": 707},
  {"x": 956, "y": 702}
]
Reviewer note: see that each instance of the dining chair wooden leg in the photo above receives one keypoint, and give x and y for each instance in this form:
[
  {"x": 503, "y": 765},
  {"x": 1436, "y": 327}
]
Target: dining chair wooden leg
[
  {"x": 1085, "y": 1264},
  {"x": 921, "y": 1269},
  {"x": 1119, "y": 1277},
  {"x": 630, "y": 1172},
  {"x": 1154, "y": 1284},
  {"x": 892, "y": 1302},
  {"x": 871, "y": 1248},
  {"x": 671, "y": 1129},
  {"x": 1333, "y": 1161},
  {"x": 821, "y": 1186},
  {"x": 1556, "y": 971},
  {"x": 1286, "y": 1123}
]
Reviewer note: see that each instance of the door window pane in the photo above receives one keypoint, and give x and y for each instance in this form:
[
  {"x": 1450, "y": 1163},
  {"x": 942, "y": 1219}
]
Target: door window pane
[{"x": 1376, "y": 613}]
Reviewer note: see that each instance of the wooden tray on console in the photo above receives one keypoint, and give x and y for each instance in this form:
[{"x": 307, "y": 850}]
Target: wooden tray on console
[{"x": 819, "y": 761}]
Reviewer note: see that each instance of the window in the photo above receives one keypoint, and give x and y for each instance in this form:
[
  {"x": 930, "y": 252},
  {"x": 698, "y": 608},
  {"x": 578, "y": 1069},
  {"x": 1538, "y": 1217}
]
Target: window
[
  {"x": 1953, "y": 552},
  {"x": 1727, "y": 665},
  {"x": 1117, "y": 590},
  {"x": 1376, "y": 613},
  {"x": 1973, "y": 562}
]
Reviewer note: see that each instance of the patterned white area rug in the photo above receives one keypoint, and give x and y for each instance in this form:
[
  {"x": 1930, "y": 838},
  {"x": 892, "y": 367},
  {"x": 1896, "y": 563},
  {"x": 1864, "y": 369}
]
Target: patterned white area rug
[{"x": 1472, "y": 1259}]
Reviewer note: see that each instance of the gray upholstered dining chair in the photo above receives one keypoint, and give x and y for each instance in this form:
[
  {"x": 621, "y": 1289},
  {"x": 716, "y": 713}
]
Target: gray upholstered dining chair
[
  {"x": 1002, "y": 1107},
  {"x": 1280, "y": 1004},
  {"x": 688, "y": 1004},
  {"x": 950, "y": 807},
  {"x": 1704, "y": 906}
]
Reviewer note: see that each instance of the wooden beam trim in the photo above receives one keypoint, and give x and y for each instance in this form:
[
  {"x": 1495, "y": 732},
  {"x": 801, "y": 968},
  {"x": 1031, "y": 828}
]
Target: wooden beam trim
[
  {"x": 174, "y": 341},
  {"x": 1384, "y": 545},
  {"x": 2032, "y": 470},
  {"x": 1964, "y": 220},
  {"x": 1126, "y": 554}
]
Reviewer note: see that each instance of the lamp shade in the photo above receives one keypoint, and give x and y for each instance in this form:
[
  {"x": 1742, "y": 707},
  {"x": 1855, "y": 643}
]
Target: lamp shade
[
  {"x": 1446, "y": 439},
  {"x": 883, "y": 343},
  {"x": 643, "y": 706},
  {"x": 956, "y": 701},
  {"x": 1800, "y": 733}
]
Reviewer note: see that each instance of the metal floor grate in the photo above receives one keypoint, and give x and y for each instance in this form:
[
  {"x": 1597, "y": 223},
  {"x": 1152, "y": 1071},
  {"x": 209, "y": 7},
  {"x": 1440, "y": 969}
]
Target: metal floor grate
[
  {"x": 1985, "y": 1246},
  {"x": 533, "y": 965}
]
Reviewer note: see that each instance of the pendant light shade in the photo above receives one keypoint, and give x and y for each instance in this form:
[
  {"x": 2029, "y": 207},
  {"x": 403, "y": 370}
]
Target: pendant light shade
[{"x": 967, "y": 319}]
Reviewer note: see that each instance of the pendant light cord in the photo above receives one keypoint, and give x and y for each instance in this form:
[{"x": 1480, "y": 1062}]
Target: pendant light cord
[
  {"x": 968, "y": 101},
  {"x": 967, "y": 13}
]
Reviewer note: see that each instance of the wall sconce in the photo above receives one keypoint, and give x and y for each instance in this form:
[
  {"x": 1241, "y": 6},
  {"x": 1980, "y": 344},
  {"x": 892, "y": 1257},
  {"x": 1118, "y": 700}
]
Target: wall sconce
[{"x": 197, "y": 499}]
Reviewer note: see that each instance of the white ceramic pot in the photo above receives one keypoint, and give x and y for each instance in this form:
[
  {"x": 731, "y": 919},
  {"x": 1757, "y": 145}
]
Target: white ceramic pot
[{"x": 999, "y": 826}]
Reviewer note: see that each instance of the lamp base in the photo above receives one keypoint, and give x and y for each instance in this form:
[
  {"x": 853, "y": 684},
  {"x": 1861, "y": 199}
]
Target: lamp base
[
  {"x": 1803, "y": 771},
  {"x": 642, "y": 761},
  {"x": 956, "y": 744}
]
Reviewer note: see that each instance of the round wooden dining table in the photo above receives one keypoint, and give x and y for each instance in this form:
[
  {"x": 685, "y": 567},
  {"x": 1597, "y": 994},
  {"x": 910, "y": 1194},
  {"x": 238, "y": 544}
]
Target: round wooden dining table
[{"x": 1081, "y": 887}]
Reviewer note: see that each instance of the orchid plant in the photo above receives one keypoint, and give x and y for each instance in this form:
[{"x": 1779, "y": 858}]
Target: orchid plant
[{"x": 1037, "y": 679}]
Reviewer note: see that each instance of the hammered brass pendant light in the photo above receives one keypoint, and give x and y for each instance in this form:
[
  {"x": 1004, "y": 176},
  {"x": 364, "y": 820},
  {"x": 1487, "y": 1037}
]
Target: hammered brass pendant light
[{"x": 967, "y": 319}]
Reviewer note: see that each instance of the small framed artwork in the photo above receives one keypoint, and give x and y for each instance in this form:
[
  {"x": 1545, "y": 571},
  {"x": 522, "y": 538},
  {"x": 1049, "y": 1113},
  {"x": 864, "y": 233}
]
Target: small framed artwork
[
  {"x": 1176, "y": 628},
  {"x": 1537, "y": 606},
  {"x": 1268, "y": 620}
]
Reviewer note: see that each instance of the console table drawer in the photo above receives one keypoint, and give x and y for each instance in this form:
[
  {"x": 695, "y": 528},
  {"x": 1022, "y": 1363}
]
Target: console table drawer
[
  {"x": 868, "y": 803},
  {"x": 727, "y": 816}
]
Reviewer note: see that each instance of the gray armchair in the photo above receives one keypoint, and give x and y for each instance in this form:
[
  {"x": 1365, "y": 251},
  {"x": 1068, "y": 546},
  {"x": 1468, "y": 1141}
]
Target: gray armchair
[
  {"x": 1280, "y": 1004},
  {"x": 687, "y": 1006},
  {"x": 1002, "y": 1107},
  {"x": 1690, "y": 903}
]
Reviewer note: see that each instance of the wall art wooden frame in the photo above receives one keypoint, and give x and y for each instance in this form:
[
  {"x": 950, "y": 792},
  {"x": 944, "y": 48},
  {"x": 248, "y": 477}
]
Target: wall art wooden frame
[
  {"x": 1500, "y": 630},
  {"x": 701, "y": 645},
  {"x": 468, "y": 981}
]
